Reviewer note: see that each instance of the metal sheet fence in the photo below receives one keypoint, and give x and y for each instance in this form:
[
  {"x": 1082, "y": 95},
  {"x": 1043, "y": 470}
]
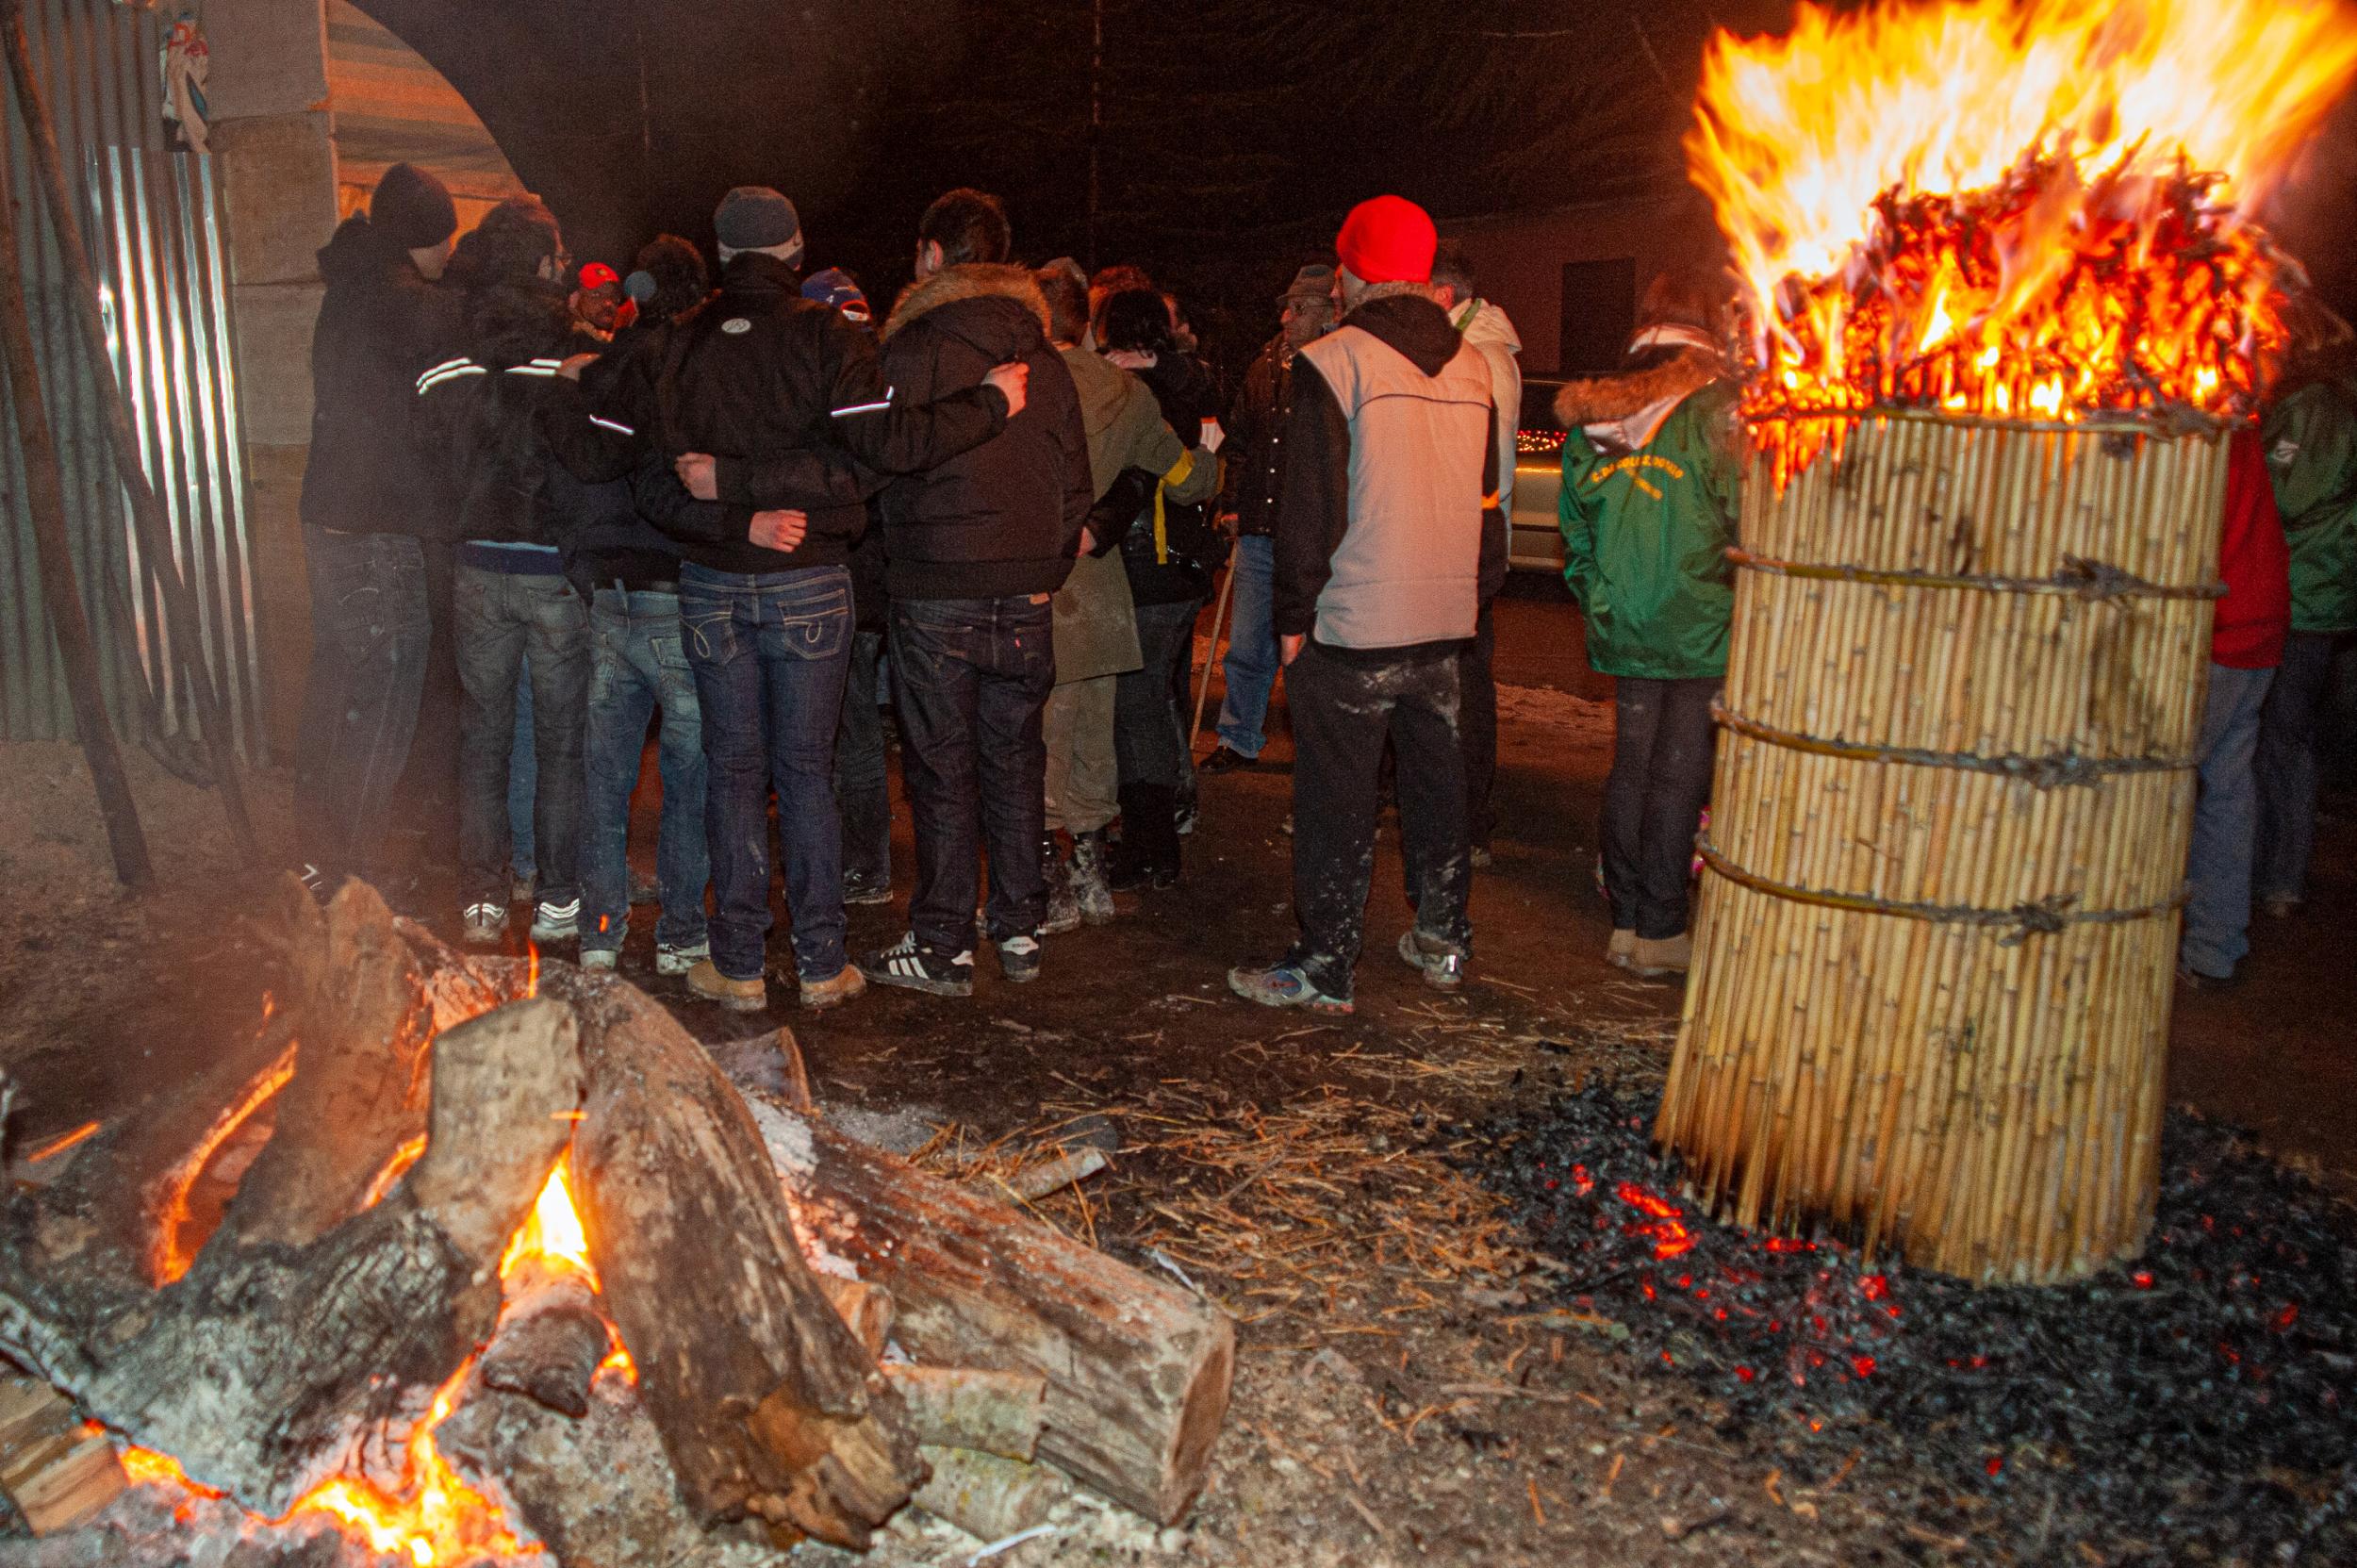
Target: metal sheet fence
[{"x": 151, "y": 214}]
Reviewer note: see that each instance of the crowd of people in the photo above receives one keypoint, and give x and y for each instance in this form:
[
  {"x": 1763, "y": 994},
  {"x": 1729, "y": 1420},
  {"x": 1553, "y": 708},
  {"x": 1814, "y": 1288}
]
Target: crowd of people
[{"x": 547, "y": 504}]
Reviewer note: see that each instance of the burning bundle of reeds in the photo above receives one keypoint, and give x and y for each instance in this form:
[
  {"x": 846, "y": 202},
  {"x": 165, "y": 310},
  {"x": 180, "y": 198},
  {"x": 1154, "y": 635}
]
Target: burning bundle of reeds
[{"x": 1938, "y": 926}]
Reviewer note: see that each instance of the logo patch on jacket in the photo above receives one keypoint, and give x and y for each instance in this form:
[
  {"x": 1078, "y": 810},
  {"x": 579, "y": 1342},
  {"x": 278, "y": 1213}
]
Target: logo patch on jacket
[
  {"x": 2287, "y": 453},
  {"x": 735, "y": 325}
]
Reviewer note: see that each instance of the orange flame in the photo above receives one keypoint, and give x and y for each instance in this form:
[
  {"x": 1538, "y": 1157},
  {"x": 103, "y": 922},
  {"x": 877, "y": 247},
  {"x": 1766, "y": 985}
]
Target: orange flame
[
  {"x": 49, "y": 1148},
  {"x": 171, "y": 1256},
  {"x": 2011, "y": 208},
  {"x": 553, "y": 1237}
]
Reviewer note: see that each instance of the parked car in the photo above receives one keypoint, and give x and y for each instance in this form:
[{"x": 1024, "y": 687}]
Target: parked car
[{"x": 1534, "y": 537}]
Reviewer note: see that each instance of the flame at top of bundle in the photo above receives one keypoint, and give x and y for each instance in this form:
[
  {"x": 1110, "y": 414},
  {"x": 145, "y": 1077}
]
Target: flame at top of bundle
[{"x": 2018, "y": 209}]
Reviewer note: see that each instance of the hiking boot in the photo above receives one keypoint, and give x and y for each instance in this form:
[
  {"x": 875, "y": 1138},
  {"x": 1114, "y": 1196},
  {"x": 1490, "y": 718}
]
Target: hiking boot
[
  {"x": 1442, "y": 962},
  {"x": 1063, "y": 903},
  {"x": 1653, "y": 958},
  {"x": 1284, "y": 985},
  {"x": 1018, "y": 959},
  {"x": 843, "y": 984},
  {"x": 677, "y": 958},
  {"x": 599, "y": 960},
  {"x": 483, "y": 924},
  {"x": 907, "y": 965},
  {"x": 866, "y": 890},
  {"x": 739, "y": 996},
  {"x": 1090, "y": 894},
  {"x": 555, "y": 922},
  {"x": 1624, "y": 944},
  {"x": 1225, "y": 759},
  {"x": 1149, "y": 840}
]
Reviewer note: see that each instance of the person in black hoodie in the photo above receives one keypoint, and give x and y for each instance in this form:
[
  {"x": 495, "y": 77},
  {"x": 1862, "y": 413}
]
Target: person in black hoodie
[
  {"x": 975, "y": 549},
  {"x": 762, "y": 379},
  {"x": 380, "y": 321},
  {"x": 484, "y": 417}
]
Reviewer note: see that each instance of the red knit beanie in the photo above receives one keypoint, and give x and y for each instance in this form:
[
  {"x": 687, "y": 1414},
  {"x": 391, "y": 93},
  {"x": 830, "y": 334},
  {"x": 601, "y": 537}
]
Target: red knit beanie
[{"x": 1388, "y": 239}]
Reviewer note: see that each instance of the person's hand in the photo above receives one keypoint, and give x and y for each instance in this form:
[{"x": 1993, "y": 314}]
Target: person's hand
[
  {"x": 571, "y": 370},
  {"x": 1013, "y": 381},
  {"x": 1289, "y": 647},
  {"x": 777, "y": 530},
  {"x": 700, "y": 473},
  {"x": 1229, "y": 524},
  {"x": 1088, "y": 540},
  {"x": 1133, "y": 359}
]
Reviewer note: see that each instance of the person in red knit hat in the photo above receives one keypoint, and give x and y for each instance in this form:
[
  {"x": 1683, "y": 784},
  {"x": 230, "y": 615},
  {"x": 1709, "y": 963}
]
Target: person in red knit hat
[{"x": 1388, "y": 506}]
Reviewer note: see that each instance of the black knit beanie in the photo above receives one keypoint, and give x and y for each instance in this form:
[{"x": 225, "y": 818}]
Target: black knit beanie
[{"x": 413, "y": 207}]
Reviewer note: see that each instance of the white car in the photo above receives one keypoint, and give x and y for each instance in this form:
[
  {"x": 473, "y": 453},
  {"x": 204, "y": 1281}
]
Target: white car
[{"x": 1534, "y": 536}]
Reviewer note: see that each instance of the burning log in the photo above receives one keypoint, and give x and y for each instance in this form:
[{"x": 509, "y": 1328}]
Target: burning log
[
  {"x": 1137, "y": 1370},
  {"x": 549, "y": 1348},
  {"x": 764, "y": 1399}
]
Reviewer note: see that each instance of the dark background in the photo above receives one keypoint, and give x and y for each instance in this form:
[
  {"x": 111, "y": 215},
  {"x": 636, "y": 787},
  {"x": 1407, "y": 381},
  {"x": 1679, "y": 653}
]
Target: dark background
[{"x": 1230, "y": 135}]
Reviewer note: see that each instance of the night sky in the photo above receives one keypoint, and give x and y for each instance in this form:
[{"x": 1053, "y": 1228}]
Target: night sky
[{"x": 1232, "y": 134}]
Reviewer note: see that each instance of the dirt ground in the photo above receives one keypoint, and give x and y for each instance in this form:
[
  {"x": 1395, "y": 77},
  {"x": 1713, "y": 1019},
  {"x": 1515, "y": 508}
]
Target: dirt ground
[{"x": 1401, "y": 1391}]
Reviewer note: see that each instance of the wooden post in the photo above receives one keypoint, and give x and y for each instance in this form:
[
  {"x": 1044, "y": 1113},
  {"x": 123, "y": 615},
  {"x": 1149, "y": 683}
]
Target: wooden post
[
  {"x": 44, "y": 499},
  {"x": 146, "y": 513}
]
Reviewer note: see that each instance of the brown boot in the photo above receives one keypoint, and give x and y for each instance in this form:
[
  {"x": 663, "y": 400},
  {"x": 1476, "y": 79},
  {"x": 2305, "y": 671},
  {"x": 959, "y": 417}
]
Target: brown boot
[
  {"x": 737, "y": 995},
  {"x": 1657, "y": 957},
  {"x": 1624, "y": 944},
  {"x": 847, "y": 983}
]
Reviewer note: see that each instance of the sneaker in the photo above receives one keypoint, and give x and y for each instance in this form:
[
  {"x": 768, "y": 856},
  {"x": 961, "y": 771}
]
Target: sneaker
[
  {"x": 1226, "y": 759},
  {"x": 483, "y": 924},
  {"x": 1669, "y": 955},
  {"x": 672, "y": 958},
  {"x": 1018, "y": 959},
  {"x": 737, "y": 995},
  {"x": 1184, "y": 817},
  {"x": 1284, "y": 985},
  {"x": 907, "y": 965},
  {"x": 866, "y": 890},
  {"x": 836, "y": 989},
  {"x": 599, "y": 960},
  {"x": 2194, "y": 980},
  {"x": 1618, "y": 951},
  {"x": 1442, "y": 962},
  {"x": 555, "y": 922}
]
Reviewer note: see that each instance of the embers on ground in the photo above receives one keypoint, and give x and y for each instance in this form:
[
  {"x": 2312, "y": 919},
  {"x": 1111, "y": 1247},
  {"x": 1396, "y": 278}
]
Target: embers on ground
[{"x": 2202, "y": 1399}]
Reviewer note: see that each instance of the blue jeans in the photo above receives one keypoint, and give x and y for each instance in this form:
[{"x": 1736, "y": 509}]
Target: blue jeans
[
  {"x": 858, "y": 767},
  {"x": 972, "y": 677},
  {"x": 1251, "y": 664},
  {"x": 2286, "y": 763},
  {"x": 500, "y": 616},
  {"x": 523, "y": 782},
  {"x": 769, "y": 651},
  {"x": 2225, "y": 824},
  {"x": 370, "y": 629},
  {"x": 639, "y": 661}
]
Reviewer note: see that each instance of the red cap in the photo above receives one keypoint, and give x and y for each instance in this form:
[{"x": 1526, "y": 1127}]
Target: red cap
[
  {"x": 598, "y": 274},
  {"x": 1388, "y": 239}
]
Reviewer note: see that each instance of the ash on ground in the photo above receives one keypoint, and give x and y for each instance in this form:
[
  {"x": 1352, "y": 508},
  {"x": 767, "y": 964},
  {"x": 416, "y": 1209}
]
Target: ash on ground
[{"x": 2197, "y": 1404}]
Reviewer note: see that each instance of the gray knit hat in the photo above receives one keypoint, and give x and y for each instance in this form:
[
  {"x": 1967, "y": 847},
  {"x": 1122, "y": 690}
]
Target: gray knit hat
[
  {"x": 1316, "y": 281},
  {"x": 755, "y": 217}
]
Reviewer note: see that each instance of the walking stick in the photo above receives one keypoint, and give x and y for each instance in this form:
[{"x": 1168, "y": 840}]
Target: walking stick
[{"x": 1203, "y": 687}]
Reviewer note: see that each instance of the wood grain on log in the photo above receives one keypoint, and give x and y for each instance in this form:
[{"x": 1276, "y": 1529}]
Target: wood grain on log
[
  {"x": 985, "y": 1495},
  {"x": 866, "y": 1309},
  {"x": 54, "y": 1468},
  {"x": 1137, "y": 1370},
  {"x": 764, "y": 1399},
  {"x": 994, "y": 1412}
]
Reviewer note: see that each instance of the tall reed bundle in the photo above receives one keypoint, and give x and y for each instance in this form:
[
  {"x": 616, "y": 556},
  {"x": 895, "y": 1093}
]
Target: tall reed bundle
[{"x": 1938, "y": 924}]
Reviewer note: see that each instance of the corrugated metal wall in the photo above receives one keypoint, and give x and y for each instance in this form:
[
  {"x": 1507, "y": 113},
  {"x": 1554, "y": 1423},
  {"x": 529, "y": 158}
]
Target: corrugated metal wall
[{"x": 151, "y": 219}]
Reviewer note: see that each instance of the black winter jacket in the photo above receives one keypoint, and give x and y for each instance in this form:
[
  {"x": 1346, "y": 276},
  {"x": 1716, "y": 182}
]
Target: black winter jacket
[
  {"x": 1005, "y": 518},
  {"x": 1255, "y": 426},
  {"x": 760, "y": 374},
  {"x": 1190, "y": 551},
  {"x": 493, "y": 420},
  {"x": 606, "y": 539},
  {"x": 380, "y": 325}
]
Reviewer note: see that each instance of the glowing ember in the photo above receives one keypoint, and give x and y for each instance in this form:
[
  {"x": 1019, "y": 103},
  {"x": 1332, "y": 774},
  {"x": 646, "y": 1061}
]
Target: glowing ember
[
  {"x": 49, "y": 1148},
  {"x": 1666, "y": 1225},
  {"x": 2017, "y": 209},
  {"x": 171, "y": 1256},
  {"x": 406, "y": 1155}
]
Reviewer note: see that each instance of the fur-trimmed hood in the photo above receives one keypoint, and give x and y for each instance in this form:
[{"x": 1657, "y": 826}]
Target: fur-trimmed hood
[
  {"x": 971, "y": 280},
  {"x": 1655, "y": 372}
]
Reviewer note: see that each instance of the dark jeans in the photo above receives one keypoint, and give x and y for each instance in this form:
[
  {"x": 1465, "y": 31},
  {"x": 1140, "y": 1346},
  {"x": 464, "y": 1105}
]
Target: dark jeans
[
  {"x": 500, "y": 616},
  {"x": 426, "y": 803},
  {"x": 858, "y": 767},
  {"x": 1654, "y": 799},
  {"x": 2225, "y": 824},
  {"x": 1146, "y": 744},
  {"x": 637, "y": 663},
  {"x": 1344, "y": 704},
  {"x": 2286, "y": 764},
  {"x": 971, "y": 679},
  {"x": 1477, "y": 725},
  {"x": 523, "y": 782},
  {"x": 769, "y": 651},
  {"x": 370, "y": 629}
]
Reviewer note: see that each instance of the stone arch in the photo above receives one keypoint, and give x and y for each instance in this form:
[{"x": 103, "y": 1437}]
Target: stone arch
[{"x": 392, "y": 106}]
